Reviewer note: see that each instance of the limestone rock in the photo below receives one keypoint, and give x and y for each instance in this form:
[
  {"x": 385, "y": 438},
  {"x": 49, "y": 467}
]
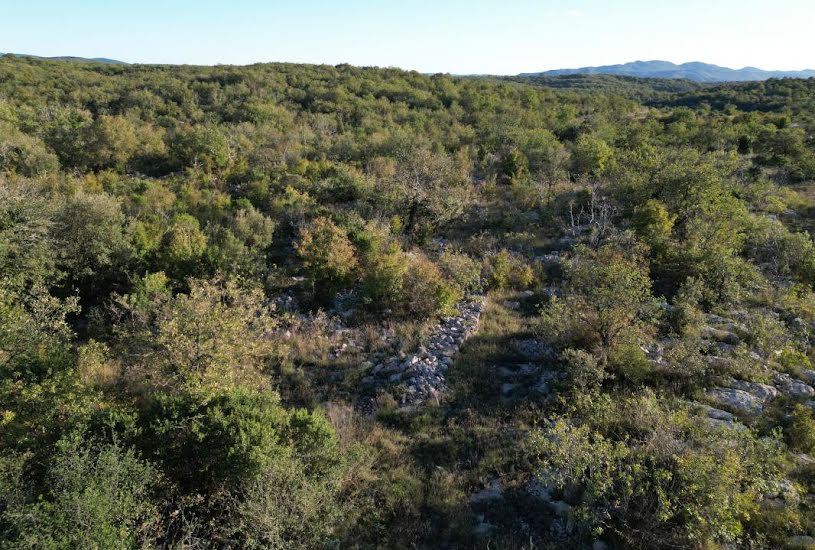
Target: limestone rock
[
  {"x": 734, "y": 399},
  {"x": 763, "y": 392},
  {"x": 722, "y": 336}
]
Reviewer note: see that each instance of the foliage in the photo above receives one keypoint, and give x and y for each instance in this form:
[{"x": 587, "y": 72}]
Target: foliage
[
  {"x": 425, "y": 292},
  {"x": 216, "y": 337},
  {"x": 609, "y": 296},
  {"x": 462, "y": 270},
  {"x": 99, "y": 497},
  {"x": 182, "y": 246},
  {"x": 154, "y": 218},
  {"x": 428, "y": 186},
  {"x": 689, "y": 489},
  {"x": 327, "y": 255}
]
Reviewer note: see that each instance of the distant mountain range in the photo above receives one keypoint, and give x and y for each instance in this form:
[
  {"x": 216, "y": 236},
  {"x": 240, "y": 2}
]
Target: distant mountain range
[
  {"x": 71, "y": 58},
  {"x": 696, "y": 71}
]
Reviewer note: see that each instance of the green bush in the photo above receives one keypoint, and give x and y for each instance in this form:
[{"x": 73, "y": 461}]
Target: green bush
[
  {"x": 800, "y": 430},
  {"x": 508, "y": 271},
  {"x": 500, "y": 267},
  {"x": 235, "y": 437},
  {"x": 99, "y": 497},
  {"x": 424, "y": 291},
  {"x": 583, "y": 370},
  {"x": 182, "y": 246},
  {"x": 630, "y": 363},
  {"x": 24, "y": 155},
  {"x": 383, "y": 277},
  {"x": 461, "y": 270},
  {"x": 328, "y": 256},
  {"x": 686, "y": 318},
  {"x": 198, "y": 146},
  {"x": 635, "y": 487}
]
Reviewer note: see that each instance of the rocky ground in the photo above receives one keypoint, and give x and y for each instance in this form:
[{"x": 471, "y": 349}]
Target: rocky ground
[
  {"x": 420, "y": 376},
  {"x": 746, "y": 398}
]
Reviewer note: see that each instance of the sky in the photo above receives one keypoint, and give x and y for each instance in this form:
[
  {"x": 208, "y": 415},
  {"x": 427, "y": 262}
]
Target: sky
[{"x": 449, "y": 36}]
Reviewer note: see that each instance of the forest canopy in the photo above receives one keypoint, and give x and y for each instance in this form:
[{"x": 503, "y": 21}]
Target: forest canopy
[{"x": 310, "y": 306}]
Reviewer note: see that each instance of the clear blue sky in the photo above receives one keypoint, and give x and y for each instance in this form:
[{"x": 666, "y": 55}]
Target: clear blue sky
[{"x": 455, "y": 36}]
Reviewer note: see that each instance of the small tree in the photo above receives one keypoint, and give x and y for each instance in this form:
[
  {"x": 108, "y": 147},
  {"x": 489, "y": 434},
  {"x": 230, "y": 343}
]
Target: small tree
[
  {"x": 182, "y": 246},
  {"x": 607, "y": 294},
  {"x": 327, "y": 255},
  {"x": 653, "y": 223},
  {"x": 199, "y": 147},
  {"x": 428, "y": 185},
  {"x": 591, "y": 156},
  {"x": 112, "y": 141},
  {"x": 89, "y": 235},
  {"x": 216, "y": 337}
]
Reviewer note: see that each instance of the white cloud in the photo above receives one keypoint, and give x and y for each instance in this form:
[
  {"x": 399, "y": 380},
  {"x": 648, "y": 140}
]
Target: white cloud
[{"x": 574, "y": 13}]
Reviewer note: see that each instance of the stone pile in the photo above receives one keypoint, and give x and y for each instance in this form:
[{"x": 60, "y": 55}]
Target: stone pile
[{"x": 422, "y": 374}]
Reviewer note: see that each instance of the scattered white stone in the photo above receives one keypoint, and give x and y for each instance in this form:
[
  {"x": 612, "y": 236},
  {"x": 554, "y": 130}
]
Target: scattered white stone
[
  {"x": 422, "y": 373},
  {"x": 533, "y": 349}
]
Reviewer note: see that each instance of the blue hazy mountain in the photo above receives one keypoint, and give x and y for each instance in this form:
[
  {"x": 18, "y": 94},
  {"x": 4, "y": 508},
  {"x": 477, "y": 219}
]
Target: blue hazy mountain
[{"x": 696, "y": 71}]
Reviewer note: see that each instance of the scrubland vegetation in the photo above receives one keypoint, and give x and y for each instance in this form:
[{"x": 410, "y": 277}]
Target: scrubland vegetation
[{"x": 214, "y": 282}]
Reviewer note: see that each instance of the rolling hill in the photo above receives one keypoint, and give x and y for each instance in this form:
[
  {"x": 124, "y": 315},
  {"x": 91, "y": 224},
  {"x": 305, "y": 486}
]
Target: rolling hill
[{"x": 70, "y": 58}]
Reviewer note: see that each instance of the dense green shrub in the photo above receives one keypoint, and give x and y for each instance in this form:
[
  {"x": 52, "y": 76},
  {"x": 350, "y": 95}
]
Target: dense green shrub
[
  {"x": 609, "y": 299},
  {"x": 424, "y": 291},
  {"x": 619, "y": 472},
  {"x": 99, "y": 496},
  {"x": 462, "y": 270},
  {"x": 182, "y": 246},
  {"x": 328, "y": 256},
  {"x": 198, "y": 146}
]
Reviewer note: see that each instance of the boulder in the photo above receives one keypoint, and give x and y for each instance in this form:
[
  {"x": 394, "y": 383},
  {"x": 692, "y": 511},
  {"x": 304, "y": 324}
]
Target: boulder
[
  {"x": 716, "y": 414},
  {"x": 762, "y": 391},
  {"x": 722, "y": 336},
  {"x": 798, "y": 390},
  {"x": 791, "y": 387},
  {"x": 736, "y": 400},
  {"x": 808, "y": 375}
]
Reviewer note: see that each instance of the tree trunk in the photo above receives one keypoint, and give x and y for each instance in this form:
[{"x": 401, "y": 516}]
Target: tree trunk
[{"x": 411, "y": 221}]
